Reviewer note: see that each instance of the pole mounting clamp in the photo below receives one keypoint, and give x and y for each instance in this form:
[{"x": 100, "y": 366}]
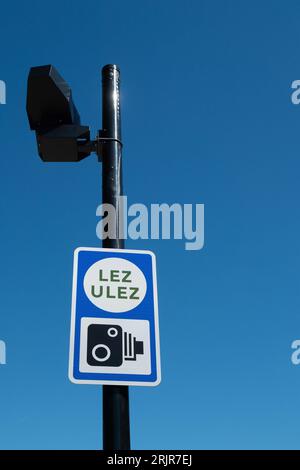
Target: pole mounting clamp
[
  {"x": 102, "y": 139},
  {"x": 97, "y": 145}
]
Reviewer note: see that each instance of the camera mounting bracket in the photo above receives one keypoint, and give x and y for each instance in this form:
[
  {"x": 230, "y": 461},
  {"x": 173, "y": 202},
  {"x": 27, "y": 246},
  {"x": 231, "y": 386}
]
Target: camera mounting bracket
[{"x": 97, "y": 145}]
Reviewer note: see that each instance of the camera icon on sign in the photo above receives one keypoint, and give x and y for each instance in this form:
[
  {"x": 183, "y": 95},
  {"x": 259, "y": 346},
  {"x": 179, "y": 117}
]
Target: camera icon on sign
[{"x": 109, "y": 345}]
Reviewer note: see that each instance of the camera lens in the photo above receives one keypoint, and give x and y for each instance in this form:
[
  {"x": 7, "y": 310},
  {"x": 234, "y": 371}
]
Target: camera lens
[
  {"x": 112, "y": 332},
  {"x": 101, "y": 352}
]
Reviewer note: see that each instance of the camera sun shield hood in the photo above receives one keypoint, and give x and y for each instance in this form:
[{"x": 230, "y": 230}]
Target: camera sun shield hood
[{"x": 49, "y": 100}]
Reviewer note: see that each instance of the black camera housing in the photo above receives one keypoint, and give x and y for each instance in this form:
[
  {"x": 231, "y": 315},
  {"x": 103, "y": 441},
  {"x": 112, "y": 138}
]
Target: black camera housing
[{"x": 53, "y": 116}]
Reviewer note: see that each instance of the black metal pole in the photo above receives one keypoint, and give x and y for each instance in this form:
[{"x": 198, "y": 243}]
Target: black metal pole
[{"x": 116, "y": 428}]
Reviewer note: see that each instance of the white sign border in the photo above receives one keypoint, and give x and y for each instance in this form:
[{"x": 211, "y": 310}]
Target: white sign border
[{"x": 73, "y": 318}]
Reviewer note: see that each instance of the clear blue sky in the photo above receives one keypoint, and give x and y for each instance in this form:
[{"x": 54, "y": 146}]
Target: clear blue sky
[{"x": 207, "y": 118}]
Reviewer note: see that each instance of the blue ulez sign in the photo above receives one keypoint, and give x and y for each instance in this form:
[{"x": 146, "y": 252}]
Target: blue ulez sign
[{"x": 114, "y": 322}]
